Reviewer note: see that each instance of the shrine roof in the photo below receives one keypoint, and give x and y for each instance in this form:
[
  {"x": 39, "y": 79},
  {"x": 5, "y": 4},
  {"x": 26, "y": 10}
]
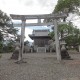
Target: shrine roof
[{"x": 37, "y": 37}]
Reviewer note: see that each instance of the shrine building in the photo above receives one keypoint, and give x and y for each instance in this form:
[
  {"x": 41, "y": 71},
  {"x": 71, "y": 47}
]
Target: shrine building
[{"x": 41, "y": 38}]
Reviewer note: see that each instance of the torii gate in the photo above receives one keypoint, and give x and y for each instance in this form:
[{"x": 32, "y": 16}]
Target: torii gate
[{"x": 38, "y": 17}]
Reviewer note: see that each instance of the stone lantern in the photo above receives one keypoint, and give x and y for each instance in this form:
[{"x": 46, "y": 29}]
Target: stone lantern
[
  {"x": 16, "y": 51},
  {"x": 64, "y": 52},
  {"x": 63, "y": 44}
]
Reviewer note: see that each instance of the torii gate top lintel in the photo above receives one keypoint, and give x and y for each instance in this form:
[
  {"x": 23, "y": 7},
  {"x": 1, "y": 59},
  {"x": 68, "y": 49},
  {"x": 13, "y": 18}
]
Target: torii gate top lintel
[{"x": 41, "y": 16}]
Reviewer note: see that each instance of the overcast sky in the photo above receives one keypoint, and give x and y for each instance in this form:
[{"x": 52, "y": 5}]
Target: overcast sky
[
  {"x": 30, "y": 7},
  {"x": 27, "y": 7}
]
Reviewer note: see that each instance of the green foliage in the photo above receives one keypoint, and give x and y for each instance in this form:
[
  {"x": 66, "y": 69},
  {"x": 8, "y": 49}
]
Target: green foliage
[
  {"x": 1, "y": 36},
  {"x": 70, "y": 34},
  {"x": 3, "y": 18},
  {"x": 6, "y": 25},
  {"x": 6, "y": 29},
  {"x": 8, "y": 47},
  {"x": 62, "y": 30},
  {"x": 65, "y": 29},
  {"x": 71, "y": 40},
  {"x": 51, "y": 34},
  {"x": 1, "y": 47},
  {"x": 63, "y": 4},
  {"x": 0, "y": 56},
  {"x": 74, "y": 38}
]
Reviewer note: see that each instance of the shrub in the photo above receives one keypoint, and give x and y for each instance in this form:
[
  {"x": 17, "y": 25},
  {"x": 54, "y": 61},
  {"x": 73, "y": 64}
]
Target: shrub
[{"x": 0, "y": 56}]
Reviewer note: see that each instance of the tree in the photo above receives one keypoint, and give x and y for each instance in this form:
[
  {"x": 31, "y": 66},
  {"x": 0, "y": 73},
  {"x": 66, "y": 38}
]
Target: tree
[
  {"x": 70, "y": 34},
  {"x": 7, "y": 31},
  {"x": 6, "y": 26},
  {"x": 71, "y": 5},
  {"x": 1, "y": 37},
  {"x": 8, "y": 47},
  {"x": 65, "y": 30},
  {"x": 67, "y": 6},
  {"x": 51, "y": 34},
  {"x": 1, "y": 42}
]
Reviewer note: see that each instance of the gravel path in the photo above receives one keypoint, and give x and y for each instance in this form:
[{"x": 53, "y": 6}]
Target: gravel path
[{"x": 42, "y": 66}]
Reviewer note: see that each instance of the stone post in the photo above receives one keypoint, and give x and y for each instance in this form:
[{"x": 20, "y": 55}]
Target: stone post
[
  {"x": 31, "y": 50},
  {"x": 22, "y": 39},
  {"x": 79, "y": 48},
  {"x": 57, "y": 41}
]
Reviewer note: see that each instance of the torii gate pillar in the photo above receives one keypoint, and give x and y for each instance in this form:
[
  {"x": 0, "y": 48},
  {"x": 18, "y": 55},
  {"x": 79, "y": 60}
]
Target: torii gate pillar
[
  {"x": 57, "y": 40},
  {"x": 22, "y": 39}
]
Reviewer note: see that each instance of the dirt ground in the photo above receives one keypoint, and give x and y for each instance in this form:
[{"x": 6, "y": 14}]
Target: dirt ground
[{"x": 40, "y": 66}]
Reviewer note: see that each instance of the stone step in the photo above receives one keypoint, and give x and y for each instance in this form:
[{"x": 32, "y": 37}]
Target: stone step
[{"x": 41, "y": 49}]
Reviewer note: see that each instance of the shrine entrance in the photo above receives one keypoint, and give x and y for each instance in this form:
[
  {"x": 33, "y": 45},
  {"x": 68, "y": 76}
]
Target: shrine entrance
[{"x": 54, "y": 22}]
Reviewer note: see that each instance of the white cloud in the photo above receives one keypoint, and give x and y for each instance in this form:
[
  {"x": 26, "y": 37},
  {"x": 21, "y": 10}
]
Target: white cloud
[
  {"x": 27, "y": 32},
  {"x": 27, "y": 7},
  {"x": 75, "y": 19}
]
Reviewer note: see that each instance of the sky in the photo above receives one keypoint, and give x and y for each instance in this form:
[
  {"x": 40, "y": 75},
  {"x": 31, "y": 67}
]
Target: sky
[{"x": 27, "y": 7}]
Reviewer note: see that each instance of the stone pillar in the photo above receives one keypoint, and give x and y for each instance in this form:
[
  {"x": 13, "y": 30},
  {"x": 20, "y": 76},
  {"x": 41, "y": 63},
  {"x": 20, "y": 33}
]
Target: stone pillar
[
  {"x": 22, "y": 39},
  {"x": 45, "y": 49},
  {"x": 39, "y": 20},
  {"x": 63, "y": 47},
  {"x": 50, "y": 50},
  {"x": 79, "y": 48},
  {"x": 31, "y": 50},
  {"x": 57, "y": 41}
]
